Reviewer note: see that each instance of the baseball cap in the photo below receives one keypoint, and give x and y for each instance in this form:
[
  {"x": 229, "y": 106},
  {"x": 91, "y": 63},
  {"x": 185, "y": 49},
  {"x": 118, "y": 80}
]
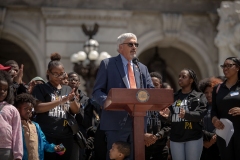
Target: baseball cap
[{"x": 7, "y": 68}]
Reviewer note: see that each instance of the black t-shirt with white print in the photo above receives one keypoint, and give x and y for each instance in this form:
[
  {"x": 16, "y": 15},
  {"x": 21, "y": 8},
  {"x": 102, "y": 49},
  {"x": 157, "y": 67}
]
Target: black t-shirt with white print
[
  {"x": 53, "y": 123},
  {"x": 180, "y": 102},
  {"x": 157, "y": 124},
  {"x": 183, "y": 130}
]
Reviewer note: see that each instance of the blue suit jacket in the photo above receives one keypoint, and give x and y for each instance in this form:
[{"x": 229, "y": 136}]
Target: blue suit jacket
[{"x": 111, "y": 75}]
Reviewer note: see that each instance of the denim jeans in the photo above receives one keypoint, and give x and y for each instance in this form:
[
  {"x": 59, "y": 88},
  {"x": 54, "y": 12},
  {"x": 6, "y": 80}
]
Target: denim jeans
[{"x": 190, "y": 150}]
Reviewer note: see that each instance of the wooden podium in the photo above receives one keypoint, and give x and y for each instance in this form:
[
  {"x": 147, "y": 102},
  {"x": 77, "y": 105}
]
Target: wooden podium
[{"x": 137, "y": 102}]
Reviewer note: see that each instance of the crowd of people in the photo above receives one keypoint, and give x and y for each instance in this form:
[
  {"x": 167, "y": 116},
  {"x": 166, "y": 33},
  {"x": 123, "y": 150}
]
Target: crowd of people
[{"x": 35, "y": 125}]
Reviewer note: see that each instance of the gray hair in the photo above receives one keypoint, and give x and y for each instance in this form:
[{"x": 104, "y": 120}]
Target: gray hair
[{"x": 123, "y": 37}]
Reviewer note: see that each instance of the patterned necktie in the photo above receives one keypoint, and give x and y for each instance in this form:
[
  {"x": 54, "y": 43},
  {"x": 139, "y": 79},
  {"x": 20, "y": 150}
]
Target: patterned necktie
[{"x": 131, "y": 77}]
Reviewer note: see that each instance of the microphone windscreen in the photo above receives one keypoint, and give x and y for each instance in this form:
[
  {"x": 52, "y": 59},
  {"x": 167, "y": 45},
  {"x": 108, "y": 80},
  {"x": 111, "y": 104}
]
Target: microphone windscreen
[{"x": 135, "y": 60}]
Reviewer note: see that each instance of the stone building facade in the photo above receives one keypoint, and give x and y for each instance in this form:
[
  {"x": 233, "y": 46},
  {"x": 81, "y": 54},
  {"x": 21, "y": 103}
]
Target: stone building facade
[{"x": 173, "y": 34}]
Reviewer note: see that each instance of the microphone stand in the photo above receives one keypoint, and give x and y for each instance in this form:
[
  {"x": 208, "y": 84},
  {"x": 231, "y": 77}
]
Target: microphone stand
[{"x": 135, "y": 61}]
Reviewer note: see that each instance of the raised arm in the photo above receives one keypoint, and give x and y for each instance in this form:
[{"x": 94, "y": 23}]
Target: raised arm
[{"x": 43, "y": 106}]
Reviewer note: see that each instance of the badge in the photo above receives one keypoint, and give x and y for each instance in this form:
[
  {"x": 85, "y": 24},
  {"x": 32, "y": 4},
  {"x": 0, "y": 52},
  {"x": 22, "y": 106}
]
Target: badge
[
  {"x": 142, "y": 96},
  {"x": 178, "y": 103},
  {"x": 234, "y": 93}
]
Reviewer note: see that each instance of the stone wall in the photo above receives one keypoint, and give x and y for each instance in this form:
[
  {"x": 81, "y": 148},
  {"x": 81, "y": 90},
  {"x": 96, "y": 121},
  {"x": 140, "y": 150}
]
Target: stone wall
[
  {"x": 184, "y": 6},
  {"x": 41, "y": 31}
]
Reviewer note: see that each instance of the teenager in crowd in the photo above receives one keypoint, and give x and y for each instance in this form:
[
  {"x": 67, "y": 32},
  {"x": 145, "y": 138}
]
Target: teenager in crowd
[
  {"x": 226, "y": 104},
  {"x": 65, "y": 80},
  {"x": 54, "y": 100},
  {"x": 86, "y": 117},
  {"x": 34, "y": 82},
  {"x": 186, "y": 114},
  {"x": 3, "y": 68},
  {"x": 210, "y": 149},
  {"x": 166, "y": 85},
  {"x": 16, "y": 74},
  {"x": 11, "y": 146},
  {"x": 157, "y": 129},
  {"x": 156, "y": 79}
]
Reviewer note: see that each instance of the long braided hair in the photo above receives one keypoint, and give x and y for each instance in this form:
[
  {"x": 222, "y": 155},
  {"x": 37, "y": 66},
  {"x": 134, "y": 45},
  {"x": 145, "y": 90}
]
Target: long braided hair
[{"x": 193, "y": 75}]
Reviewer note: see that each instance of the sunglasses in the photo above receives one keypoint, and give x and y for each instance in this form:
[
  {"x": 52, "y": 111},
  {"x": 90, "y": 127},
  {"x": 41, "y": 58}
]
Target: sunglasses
[
  {"x": 131, "y": 44},
  {"x": 227, "y": 66}
]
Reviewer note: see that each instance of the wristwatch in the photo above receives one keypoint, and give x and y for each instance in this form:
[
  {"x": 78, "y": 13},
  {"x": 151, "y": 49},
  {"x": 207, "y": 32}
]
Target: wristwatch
[{"x": 158, "y": 136}]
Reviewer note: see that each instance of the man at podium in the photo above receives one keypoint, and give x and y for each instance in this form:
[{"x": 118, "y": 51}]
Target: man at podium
[{"x": 120, "y": 72}]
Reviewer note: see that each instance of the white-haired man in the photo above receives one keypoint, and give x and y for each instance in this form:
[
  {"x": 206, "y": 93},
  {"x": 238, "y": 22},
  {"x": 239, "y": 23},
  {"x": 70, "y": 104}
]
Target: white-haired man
[{"x": 119, "y": 72}]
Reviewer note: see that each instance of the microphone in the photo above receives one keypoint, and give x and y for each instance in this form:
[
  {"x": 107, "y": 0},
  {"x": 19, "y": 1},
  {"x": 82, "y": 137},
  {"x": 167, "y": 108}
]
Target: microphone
[{"x": 136, "y": 62}]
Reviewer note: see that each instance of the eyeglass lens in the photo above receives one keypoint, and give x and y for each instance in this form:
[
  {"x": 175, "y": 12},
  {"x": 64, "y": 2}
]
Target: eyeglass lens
[
  {"x": 59, "y": 75},
  {"x": 226, "y": 65},
  {"x": 131, "y": 44}
]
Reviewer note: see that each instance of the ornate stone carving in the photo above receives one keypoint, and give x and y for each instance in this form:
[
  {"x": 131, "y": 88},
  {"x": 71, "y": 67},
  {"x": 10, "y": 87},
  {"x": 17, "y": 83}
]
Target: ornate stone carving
[
  {"x": 235, "y": 46},
  {"x": 203, "y": 28},
  {"x": 57, "y": 13},
  {"x": 228, "y": 38},
  {"x": 172, "y": 24}
]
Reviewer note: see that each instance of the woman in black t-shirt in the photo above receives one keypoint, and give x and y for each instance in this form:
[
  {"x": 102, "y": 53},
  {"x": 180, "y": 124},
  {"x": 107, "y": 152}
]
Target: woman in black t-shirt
[
  {"x": 54, "y": 100},
  {"x": 186, "y": 114},
  {"x": 226, "y": 104}
]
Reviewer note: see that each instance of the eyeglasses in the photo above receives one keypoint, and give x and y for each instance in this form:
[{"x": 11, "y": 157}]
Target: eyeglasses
[
  {"x": 72, "y": 79},
  {"x": 131, "y": 44},
  {"x": 227, "y": 66},
  {"x": 56, "y": 75}
]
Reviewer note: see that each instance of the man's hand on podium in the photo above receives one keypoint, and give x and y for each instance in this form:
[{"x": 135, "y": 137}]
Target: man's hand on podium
[{"x": 149, "y": 139}]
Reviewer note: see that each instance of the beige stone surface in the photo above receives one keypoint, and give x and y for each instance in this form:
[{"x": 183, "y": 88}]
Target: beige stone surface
[
  {"x": 185, "y": 38},
  {"x": 227, "y": 39}
]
